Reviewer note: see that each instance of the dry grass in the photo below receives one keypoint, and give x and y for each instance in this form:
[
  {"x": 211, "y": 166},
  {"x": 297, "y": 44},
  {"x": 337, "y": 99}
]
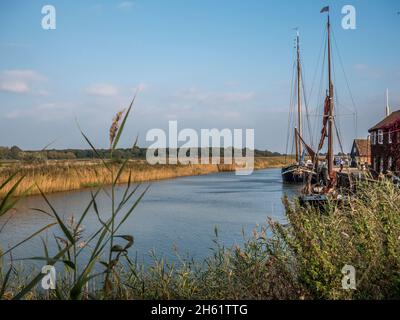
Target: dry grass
[{"x": 56, "y": 176}]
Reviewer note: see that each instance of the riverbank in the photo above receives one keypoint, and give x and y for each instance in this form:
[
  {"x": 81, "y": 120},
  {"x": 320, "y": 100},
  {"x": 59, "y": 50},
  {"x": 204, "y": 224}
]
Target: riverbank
[{"x": 57, "y": 176}]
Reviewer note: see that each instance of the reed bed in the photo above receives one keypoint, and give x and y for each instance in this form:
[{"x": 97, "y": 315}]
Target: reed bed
[{"x": 57, "y": 176}]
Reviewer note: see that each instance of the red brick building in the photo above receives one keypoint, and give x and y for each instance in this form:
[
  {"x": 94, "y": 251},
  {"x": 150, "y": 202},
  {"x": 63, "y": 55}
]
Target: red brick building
[
  {"x": 361, "y": 153},
  {"x": 385, "y": 144}
]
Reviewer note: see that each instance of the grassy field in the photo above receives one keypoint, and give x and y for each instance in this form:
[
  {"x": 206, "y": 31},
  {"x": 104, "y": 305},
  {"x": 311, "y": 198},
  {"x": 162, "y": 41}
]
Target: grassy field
[{"x": 56, "y": 175}]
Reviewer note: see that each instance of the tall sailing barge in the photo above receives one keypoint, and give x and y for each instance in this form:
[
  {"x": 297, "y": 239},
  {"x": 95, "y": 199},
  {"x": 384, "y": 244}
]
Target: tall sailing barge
[
  {"x": 327, "y": 177},
  {"x": 299, "y": 172}
]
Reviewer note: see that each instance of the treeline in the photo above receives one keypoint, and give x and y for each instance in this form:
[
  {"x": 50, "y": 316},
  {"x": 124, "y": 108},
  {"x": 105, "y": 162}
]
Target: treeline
[{"x": 16, "y": 153}]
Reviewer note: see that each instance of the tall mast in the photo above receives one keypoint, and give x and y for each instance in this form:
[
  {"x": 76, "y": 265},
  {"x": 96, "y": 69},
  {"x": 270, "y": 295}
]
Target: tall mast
[
  {"x": 299, "y": 119},
  {"x": 331, "y": 105},
  {"x": 296, "y": 139}
]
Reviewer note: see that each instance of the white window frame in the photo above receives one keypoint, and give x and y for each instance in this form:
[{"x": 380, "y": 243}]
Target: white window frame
[
  {"x": 390, "y": 137},
  {"x": 380, "y": 136},
  {"x": 381, "y": 165},
  {"x": 373, "y": 138},
  {"x": 390, "y": 163}
]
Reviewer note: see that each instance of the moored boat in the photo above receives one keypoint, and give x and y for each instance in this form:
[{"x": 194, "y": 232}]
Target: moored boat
[
  {"x": 299, "y": 172},
  {"x": 325, "y": 190}
]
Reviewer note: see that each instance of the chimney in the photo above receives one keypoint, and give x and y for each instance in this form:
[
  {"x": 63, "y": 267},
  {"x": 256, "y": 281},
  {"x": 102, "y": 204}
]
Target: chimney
[{"x": 387, "y": 103}]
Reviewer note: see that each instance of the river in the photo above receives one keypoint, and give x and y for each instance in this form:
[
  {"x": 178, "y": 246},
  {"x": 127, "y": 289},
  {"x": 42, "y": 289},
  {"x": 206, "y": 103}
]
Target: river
[{"x": 174, "y": 214}]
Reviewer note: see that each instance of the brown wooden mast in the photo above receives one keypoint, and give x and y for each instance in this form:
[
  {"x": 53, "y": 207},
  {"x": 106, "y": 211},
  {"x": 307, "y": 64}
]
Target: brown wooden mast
[
  {"x": 296, "y": 143},
  {"x": 331, "y": 105},
  {"x": 299, "y": 113}
]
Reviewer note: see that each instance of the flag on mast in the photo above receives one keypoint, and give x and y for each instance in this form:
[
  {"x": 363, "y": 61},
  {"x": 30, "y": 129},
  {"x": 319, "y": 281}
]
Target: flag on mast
[{"x": 325, "y": 9}]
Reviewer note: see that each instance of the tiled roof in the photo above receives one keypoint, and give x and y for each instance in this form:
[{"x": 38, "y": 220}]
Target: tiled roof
[
  {"x": 362, "y": 146},
  {"x": 387, "y": 122}
]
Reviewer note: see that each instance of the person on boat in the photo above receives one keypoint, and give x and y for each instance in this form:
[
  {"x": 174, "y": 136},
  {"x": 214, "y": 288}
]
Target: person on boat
[
  {"x": 324, "y": 173},
  {"x": 341, "y": 162}
]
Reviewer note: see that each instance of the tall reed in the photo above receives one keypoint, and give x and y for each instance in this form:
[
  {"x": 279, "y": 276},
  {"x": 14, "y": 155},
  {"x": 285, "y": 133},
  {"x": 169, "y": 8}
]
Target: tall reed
[{"x": 71, "y": 245}]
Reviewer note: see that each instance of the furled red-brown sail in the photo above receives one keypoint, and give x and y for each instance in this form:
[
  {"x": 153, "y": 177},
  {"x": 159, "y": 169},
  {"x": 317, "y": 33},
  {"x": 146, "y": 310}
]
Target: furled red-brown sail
[{"x": 325, "y": 122}]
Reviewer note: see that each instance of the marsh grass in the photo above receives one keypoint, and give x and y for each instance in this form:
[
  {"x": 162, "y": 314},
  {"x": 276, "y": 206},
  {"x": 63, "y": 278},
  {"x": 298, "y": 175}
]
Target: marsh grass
[
  {"x": 58, "y": 176},
  {"x": 102, "y": 246}
]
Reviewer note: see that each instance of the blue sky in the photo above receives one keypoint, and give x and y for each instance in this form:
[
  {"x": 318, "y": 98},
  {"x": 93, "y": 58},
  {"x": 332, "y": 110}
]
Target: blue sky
[{"x": 205, "y": 63}]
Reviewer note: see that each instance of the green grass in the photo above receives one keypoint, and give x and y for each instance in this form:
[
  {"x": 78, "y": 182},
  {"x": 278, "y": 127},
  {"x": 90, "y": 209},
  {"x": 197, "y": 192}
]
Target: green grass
[{"x": 90, "y": 185}]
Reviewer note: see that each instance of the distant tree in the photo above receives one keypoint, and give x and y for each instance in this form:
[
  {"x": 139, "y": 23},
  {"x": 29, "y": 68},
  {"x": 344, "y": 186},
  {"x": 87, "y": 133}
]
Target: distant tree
[
  {"x": 32, "y": 156},
  {"x": 15, "y": 152},
  {"x": 4, "y": 152}
]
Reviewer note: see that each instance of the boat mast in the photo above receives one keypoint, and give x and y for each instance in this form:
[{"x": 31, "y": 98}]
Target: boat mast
[
  {"x": 299, "y": 119},
  {"x": 331, "y": 105},
  {"x": 296, "y": 139}
]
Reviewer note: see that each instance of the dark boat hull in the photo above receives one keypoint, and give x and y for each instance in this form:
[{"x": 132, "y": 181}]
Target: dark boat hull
[{"x": 296, "y": 174}]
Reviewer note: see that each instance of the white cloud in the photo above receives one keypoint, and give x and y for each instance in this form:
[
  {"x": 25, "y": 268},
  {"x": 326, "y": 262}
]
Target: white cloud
[
  {"x": 125, "y": 5},
  {"x": 21, "y": 81},
  {"x": 360, "y": 67},
  {"x": 370, "y": 72},
  {"x": 141, "y": 87},
  {"x": 47, "y": 111},
  {"x": 14, "y": 86},
  {"x": 24, "y": 74},
  {"x": 102, "y": 89},
  {"x": 197, "y": 96},
  {"x": 236, "y": 97}
]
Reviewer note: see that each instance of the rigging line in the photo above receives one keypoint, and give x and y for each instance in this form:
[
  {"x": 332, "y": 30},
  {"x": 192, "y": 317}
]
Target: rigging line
[
  {"x": 347, "y": 82},
  {"x": 350, "y": 110},
  {"x": 336, "y": 115},
  {"x": 320, "y": 104},
  {"x": 290, "y": 108},
  {"x": 323, "y": 45},
  {"x": 337, "y": 123},
  {"x": 337, "y": 134},
  {"x": 343, "y": 153},
  {"x": 306, "y": 107},
  {"x": 318, "y": 61}
]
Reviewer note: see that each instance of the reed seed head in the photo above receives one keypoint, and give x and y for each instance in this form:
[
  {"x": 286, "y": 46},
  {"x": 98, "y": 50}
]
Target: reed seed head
[{"x": 115, "y": 125}]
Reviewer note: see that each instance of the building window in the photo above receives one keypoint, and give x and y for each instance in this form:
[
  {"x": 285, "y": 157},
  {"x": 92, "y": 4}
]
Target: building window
[
  {"x": 375, "y": 164},
  {"x": 373, "y": 138},
  {"x": 390, "y": 164},
  {"x": 381, "y": 165},
  {"x": 380, "y": 136},
  {"x": 390, "y": 137}
]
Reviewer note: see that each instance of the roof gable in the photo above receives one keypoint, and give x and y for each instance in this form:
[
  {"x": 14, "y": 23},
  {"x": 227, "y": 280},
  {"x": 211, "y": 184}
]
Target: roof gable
[
  {"x": 362, "y": 146},
  {"x": 387, "y": 122}
]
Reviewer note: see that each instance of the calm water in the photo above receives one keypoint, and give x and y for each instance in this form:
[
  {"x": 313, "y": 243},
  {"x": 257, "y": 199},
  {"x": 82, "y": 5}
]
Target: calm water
[{"x": 180, "y": 213}]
